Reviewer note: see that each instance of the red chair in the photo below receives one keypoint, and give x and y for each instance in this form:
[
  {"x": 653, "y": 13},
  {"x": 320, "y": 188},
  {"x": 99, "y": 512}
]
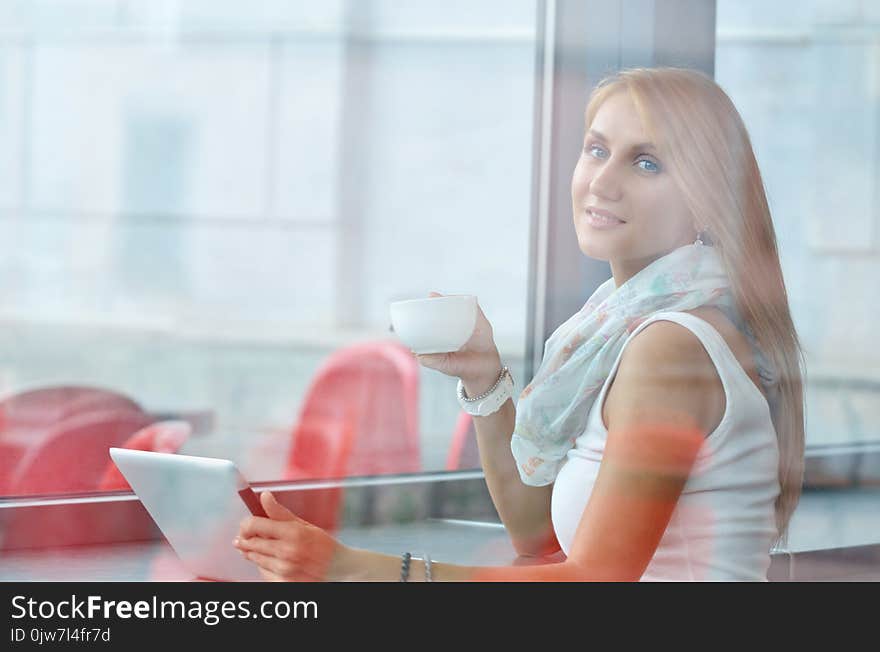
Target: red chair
[
  {"x": 71, "y": 455},
  {"x": 160, "y": 437},
  {"x": 28, "y": 416},
  {"x": 42, "y": 406},
  {"x": 321, "y": 451},
  {"x": 463, "y": 451},
  {"x": 375, "y": 387}
]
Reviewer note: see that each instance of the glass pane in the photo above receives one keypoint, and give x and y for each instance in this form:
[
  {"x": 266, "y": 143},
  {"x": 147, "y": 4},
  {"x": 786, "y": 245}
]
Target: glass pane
[
  {"x": 804, "y": 76},
  {"x": 205, "y": 203}
]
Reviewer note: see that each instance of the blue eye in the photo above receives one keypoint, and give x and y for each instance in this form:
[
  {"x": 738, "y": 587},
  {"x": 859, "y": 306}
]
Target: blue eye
[
  {"x": 653, "y": 166},
  {"x": 594, "y": 148}
]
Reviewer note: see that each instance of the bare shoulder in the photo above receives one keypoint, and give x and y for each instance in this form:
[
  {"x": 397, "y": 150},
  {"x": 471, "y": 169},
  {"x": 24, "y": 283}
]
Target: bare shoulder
[
  {"x": 736, "y": 341},
  {"x": 665, "y": 375}
]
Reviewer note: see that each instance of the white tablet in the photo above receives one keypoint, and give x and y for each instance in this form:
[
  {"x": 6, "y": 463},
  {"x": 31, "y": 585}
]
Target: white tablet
[{"x": 198, "y": 504}]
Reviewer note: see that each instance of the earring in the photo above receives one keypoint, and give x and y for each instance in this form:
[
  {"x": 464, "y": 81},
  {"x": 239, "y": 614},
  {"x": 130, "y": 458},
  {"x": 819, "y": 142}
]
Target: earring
[{"x": 700, "y": 235}]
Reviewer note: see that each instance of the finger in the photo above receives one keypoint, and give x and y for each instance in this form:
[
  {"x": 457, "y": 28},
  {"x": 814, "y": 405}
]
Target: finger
[
  {"x": 258, "y": 526},
  {"x": 258, "y": 544},
  {"x": 429, "y": 358},
  {"x": 275, "y": 510},
  {"x": 268, "y": 576},
  {"x": 276, "y": 570},
  {"x": 262, "y": 564},
  {"x": 311, "y": 553},
  {"x": 435, "y": 294},
  {"x": 266, "y": 562}
]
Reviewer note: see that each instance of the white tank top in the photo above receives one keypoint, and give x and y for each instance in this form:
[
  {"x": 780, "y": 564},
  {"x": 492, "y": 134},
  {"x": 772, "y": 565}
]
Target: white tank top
[{"x": 723, "y": 526}]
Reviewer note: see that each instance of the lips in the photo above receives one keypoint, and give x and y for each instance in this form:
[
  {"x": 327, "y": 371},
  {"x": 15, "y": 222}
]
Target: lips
[{"x": 602, "y": 213}]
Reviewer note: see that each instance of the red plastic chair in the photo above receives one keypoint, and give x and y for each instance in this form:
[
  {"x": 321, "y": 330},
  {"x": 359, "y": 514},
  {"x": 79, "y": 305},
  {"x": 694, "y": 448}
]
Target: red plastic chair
[
  {"x": 71, "y": 455},
  {"x": 35, "y": 408},
  {"x": 321, "y": 451},
  {"x": 322, "y": 448},
  {"x": 375, "y": 387},
  {"x": 463, "y": 451},
  {"x": 28, "y": 417},
  {"x": 160, "y": 437}
]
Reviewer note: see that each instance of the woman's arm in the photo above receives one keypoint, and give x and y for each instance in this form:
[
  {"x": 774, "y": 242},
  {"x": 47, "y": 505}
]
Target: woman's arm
[
  {"x": 368, "y": 566},
  {"x": 658, "y": 406},
  {"x": 524, "y": 510},
  {"x": 666, "y": 383},
  {"x": 286, "y": 548}
]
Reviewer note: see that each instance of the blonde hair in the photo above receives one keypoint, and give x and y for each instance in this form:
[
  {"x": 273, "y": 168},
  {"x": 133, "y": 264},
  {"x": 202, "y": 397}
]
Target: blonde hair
[{"x": 697, "y": 127}]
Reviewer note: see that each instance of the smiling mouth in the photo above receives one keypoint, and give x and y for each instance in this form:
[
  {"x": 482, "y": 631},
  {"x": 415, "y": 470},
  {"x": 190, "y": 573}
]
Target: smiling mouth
[{"x": 598, "y": 219}]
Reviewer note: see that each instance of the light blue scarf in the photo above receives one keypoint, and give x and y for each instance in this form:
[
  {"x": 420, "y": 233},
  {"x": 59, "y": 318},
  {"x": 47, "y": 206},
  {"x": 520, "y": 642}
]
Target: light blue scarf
[{"x": 552, "y": 410}]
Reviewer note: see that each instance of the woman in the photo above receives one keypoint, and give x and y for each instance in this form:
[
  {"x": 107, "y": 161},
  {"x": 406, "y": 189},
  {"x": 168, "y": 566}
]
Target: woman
[{"x": 662, "y": 436}]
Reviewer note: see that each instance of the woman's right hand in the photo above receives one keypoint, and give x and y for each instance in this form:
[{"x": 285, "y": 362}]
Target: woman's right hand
[{"x": 477, "y": 362}]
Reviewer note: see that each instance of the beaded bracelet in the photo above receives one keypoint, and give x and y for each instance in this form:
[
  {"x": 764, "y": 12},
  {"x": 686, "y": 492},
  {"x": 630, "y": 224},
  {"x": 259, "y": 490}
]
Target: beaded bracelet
[
  {"x": 474, "y": 399},
  {"x": 404, "y": 567},
  {"x": 427, "y": 560}
]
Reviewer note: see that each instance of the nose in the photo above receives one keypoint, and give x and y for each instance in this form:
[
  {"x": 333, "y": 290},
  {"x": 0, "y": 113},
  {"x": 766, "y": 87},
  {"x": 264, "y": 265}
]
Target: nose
[{"x": 606, "y": 183}]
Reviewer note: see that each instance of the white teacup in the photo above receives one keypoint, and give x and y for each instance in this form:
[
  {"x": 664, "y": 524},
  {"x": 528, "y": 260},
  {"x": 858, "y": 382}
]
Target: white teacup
[{"x": 435, "y": 324}]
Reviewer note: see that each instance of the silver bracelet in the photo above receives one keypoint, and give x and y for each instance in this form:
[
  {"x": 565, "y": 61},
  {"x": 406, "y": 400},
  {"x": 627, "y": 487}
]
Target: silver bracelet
[
  {"x": 504, "y": 370},
  {"x": 404, "y": 566},
  {"x": 427, "y": 560}
]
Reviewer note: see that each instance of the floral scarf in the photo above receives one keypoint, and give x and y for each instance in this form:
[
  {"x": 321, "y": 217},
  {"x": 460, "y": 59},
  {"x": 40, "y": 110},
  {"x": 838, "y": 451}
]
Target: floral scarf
[{"x": 552, "y": 410}]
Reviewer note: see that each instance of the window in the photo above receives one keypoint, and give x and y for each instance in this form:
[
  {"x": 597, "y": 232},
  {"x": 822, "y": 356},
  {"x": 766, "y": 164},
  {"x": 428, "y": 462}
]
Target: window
[
  {"x": 804, "y": 77},
  {"x": 201, "y": 201}
]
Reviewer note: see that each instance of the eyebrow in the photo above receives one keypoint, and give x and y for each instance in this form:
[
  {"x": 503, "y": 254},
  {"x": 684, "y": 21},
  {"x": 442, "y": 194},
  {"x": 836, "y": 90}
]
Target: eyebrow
[{"x": 637, "y": 146}]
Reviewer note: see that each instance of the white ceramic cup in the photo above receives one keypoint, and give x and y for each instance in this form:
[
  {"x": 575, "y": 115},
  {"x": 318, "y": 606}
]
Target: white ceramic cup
[{"x": 435, "y": 324}]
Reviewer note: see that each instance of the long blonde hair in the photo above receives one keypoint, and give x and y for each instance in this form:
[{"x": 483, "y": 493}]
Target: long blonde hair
[{"x": 694, "y": 122}]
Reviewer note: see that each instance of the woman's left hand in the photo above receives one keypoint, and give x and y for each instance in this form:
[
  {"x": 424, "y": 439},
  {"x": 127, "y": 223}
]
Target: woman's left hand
[{"x": 287, "y": 548}]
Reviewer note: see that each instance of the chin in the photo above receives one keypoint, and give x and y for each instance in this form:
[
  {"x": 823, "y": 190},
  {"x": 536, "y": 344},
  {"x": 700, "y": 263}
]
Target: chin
[{"x": 593, "y": 247}]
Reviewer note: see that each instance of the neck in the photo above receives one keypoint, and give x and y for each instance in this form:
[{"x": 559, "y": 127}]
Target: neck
[{"x": 624, "y": 270}]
